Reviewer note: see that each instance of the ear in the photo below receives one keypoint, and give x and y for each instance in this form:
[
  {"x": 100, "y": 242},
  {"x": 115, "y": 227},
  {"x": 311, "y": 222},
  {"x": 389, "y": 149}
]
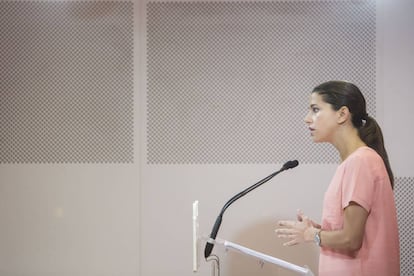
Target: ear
[{"x": 343, "y": 115}]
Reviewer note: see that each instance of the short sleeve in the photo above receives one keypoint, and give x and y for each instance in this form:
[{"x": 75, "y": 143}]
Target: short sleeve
[{"x": 359, "y": 181}]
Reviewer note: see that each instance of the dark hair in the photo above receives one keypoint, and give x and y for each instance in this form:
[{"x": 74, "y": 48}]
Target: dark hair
[{"x": 341, "y": 93}]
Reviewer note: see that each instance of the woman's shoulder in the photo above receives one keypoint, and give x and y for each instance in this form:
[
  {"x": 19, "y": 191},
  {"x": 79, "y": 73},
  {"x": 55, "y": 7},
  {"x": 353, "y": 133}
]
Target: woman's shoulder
[
  {"x": 365, "y": 152},
  {"x": 365, "y": 155}
]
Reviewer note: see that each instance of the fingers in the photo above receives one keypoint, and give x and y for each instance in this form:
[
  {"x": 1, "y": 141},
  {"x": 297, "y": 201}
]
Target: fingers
[
  {"x": 299, "y": 215},
  {"x": 287, "y": 223},
  {"x": 290, "y": 243},
  {"x": 302, "y": 216},
  {"x": 290, "y": 234},
  {"x": 287, "y": 236},
  {"x": 316, "y": 225},
  {"x": 284, "y": 231},
  {"x": 296, "y": 230}
]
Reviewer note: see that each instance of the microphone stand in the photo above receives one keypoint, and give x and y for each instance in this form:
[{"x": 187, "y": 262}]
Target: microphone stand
[{"x": 210, "y": 242}]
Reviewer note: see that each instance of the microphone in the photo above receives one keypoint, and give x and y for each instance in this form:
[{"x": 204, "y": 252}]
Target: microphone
[
  {"x": 290, "y": 165},
  {"x": 210, "y": 242}
]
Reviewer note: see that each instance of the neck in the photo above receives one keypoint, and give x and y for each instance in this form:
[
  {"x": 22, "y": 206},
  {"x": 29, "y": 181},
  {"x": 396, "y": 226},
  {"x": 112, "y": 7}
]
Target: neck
[{"x": 347, "y": 143}]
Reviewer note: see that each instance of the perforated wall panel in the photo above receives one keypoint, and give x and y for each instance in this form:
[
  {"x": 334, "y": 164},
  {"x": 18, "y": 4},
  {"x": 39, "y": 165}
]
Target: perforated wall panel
[
  {"x": 66, "y": 86},
  {"x": 404, "y": 195},
  {"x": 229, "y": 82}
]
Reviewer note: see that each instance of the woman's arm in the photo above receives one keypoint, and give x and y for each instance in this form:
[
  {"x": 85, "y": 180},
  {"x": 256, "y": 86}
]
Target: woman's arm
[
  {"x": 350, "y": 237},
  {"x": 347, "y": 240}
]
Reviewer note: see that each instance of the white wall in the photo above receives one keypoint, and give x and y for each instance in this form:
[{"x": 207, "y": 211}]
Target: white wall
[
  {"x": 69, "y": 220},
  {"x": 396, "y": 59}
]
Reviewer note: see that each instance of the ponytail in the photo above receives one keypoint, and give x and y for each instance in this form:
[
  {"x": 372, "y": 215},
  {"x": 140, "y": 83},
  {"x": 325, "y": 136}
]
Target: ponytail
[{"x": 370, "y": 132}]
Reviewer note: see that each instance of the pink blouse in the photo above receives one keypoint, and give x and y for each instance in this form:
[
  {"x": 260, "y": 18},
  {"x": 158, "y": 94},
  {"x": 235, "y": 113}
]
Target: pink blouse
[{"x": 362, "y": 178}]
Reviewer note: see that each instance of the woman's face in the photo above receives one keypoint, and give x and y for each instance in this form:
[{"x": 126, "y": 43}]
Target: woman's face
[{"x": 321, "y": 119}]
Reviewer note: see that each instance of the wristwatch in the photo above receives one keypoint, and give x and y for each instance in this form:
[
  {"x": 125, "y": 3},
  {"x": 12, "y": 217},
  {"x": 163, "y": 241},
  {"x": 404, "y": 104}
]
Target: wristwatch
[{"x": 317, "y": 237}]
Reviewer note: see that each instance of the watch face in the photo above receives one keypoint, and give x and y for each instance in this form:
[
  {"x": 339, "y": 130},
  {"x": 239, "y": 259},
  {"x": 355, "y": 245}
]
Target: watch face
[{"x": 317, "y": 239}]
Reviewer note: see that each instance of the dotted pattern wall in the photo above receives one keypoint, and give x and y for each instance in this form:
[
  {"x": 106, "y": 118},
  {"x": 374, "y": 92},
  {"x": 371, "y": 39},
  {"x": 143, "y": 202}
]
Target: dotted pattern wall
[
  {"x": 404, "y": 194},
  {"x": 66, "y": 82},
  {"x": 229, "y": 82}
]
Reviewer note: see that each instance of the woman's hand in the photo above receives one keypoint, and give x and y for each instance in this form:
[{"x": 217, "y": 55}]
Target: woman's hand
[{"x": 299, "y": 231}]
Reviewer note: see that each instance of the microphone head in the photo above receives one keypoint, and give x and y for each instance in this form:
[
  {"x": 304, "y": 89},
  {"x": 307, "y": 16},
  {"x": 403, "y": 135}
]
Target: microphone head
[{"x": 290, "y": 164}]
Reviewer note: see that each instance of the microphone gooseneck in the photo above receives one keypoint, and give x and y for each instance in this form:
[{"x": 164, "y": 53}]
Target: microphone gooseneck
[{"x": 210, "y": 242}]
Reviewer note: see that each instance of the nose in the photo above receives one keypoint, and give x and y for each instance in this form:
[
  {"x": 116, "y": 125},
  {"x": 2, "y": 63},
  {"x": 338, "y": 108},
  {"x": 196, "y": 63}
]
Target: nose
[{"x": 308, "y": 118}]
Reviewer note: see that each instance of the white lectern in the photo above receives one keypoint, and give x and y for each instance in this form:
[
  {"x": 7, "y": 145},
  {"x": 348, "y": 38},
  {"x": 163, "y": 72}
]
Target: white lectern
[{"x": 199, "y": 242}]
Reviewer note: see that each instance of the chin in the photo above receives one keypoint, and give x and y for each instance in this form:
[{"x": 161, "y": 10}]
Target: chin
[{"x": 316, "y": 140}]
